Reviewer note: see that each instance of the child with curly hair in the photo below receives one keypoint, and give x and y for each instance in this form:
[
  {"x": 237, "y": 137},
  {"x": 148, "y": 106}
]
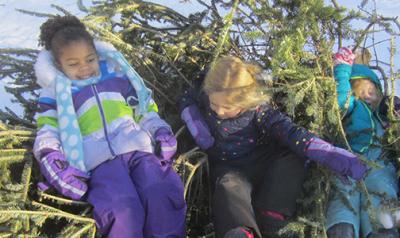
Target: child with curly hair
[{"x": 97, "y": 129}]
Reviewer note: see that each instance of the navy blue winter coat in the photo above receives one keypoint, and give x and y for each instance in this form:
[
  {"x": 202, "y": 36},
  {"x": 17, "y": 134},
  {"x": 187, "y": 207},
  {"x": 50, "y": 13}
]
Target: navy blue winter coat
[{"x": 237, "y": 137}]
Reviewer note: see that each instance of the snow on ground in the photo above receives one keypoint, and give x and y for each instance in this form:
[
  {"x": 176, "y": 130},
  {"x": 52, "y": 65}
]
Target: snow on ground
[{"x": 19, "y": 30}]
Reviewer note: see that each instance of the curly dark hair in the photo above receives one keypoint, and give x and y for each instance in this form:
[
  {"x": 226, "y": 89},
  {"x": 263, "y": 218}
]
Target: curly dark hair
[{"x": 60, "y": 31}]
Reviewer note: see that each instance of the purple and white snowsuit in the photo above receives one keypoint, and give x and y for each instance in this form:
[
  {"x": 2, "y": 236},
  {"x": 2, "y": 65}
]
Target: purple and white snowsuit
[{"x": 132, "y": 193}]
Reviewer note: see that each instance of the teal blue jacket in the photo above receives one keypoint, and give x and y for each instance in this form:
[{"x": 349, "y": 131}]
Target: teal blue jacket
[{"x": 363, "y": 125}]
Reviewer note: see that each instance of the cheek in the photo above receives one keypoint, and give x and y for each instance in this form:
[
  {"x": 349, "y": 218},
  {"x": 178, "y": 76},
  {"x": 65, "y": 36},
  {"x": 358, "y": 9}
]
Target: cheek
[
  {"x": 358, "y": 92},
  {"x": 212, "y": 107},
  {"x": 233, "y": 113},
  {"x": 71, "y": 74},
  {"x": 97, "y": 69}
]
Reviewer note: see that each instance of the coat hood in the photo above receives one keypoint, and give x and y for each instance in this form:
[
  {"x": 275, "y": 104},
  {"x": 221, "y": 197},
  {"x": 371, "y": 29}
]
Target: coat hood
[{"x": 362, "y": 71}]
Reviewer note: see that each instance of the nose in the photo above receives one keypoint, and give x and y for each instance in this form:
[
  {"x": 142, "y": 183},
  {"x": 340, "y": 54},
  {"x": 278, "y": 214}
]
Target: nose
[
  {"x": 365, "y": 93},
  {"x": 85, "y": 68},
  {"x": 219, "y": 111}
]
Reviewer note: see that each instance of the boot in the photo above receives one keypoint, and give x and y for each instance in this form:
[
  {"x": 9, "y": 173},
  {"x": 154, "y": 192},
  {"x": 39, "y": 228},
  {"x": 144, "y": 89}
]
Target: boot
[
  {"x": 239, "y": 232},
  {"x": 385, "y": 233},
  {"x": 341, "y": 230}
]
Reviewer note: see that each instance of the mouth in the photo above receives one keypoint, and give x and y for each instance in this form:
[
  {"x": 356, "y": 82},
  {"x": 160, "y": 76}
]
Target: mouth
[
  {"x": 371, "y": 103},
  {"x": 86, "y": 76}
]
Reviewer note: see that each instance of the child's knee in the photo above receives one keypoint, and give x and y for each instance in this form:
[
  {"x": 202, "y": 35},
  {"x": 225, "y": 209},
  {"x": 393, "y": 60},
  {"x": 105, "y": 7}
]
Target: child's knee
[
  {"x": 230, "y": 182},
  {"x": 172, "y": 192},
  {"x": 341, "y": 230},
  {"x": 117, "y": 214}
]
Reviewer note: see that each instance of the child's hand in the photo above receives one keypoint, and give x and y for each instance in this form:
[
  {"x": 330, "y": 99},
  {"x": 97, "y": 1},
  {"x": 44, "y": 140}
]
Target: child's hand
[
  {"x": 336, "y": 159},
  {"x": 343, "y": 56},
  {"x": 197, "y": 127},
  {"x": 363, "y": 56},
  {"x": 167, "y": 143},
  {"x": 67, "y": 180}
]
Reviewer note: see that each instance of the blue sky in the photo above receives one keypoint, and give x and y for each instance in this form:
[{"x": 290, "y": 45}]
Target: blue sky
[
  {"x": 21, "y": 30},
  {"x": 18, "y": 30}
]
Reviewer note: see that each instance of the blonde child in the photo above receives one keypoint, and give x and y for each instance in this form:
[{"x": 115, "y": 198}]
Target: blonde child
[
  {"x": 256, "y": 154},
  {"x": 97, "y": 126},
  {"x": 360, "y": 97}
]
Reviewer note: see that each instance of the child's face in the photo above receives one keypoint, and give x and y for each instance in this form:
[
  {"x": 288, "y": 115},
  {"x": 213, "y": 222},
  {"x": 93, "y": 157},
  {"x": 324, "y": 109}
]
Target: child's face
[
  {"x": 221, "y": 107},
  {"x": 367, "y": 91},
  {"x": 78, "y": 60}
]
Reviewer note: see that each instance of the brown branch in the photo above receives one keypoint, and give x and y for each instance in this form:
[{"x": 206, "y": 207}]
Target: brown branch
[
  {"x": 339, "y": 30},
  {"x": 363, "y": 34}
]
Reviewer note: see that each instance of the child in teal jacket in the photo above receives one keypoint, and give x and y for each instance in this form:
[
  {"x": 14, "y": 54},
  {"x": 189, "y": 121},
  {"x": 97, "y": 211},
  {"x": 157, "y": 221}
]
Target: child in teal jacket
[{"x": 360, "y": 98}]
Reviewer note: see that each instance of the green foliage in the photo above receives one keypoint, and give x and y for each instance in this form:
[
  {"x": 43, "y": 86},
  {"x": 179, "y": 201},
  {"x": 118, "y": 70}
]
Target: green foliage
[{"x": 293, "y": 40}]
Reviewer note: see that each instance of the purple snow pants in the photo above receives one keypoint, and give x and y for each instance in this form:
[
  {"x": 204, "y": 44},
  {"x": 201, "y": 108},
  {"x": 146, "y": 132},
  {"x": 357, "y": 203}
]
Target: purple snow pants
[{"x": 134, "y": 196}]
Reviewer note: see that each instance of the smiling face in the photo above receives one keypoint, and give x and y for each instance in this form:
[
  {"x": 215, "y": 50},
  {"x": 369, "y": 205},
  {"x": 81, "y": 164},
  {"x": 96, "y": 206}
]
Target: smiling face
[
  {"x": 221, "y": 107},
  {"x": 366, "y": 90},
  {"x": 78, "y": 60}
]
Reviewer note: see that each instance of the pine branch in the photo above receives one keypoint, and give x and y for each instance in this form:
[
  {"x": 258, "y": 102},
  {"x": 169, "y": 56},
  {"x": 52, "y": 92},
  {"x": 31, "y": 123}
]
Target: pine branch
[
  {"x": 68, "y": 216},
  {"x": 224, "y": 36},
  {"x": 26, "y": 178}
]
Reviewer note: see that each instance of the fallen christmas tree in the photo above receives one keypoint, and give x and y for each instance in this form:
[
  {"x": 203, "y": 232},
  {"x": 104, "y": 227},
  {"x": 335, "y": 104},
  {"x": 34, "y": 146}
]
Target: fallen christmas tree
[{"x": 292, "y": 40}]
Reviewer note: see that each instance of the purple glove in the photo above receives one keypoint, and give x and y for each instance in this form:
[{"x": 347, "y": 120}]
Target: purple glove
[
  {"x": 166, "y": 143},
  {"x": 396, "y": 107},
  {"x": 339, "y": 160},
  {"x": 384, "y": 106},
  {"x": 344, "y": 56},
  {"x": 68, "y": 180},
  {"x": 197, "y": 127}
]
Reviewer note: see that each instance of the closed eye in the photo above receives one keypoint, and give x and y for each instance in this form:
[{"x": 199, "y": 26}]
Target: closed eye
[{"x": 73, "y": 65}]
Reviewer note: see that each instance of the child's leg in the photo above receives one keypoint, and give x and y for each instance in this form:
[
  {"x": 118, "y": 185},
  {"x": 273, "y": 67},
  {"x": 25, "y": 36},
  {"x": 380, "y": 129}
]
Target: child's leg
[
  {"x": 116, "y": 205},
  {"x": 379, "y": 181},
  {"x": 275, "y": 199},
  {"x": 161, "y": 192},
  {"x": 232, "y": 206},
  {"x": 343, "y": 210}
]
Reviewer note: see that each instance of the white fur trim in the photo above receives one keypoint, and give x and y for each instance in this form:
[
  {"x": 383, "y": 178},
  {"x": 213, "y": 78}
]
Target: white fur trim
[
  {"x": 102, "y": 47},
  {"x": 45, "y": 69}
]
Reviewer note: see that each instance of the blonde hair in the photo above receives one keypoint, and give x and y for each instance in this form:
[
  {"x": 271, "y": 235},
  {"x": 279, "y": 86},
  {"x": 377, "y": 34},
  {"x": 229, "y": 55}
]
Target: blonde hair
[{"x": 238, "y": 80}]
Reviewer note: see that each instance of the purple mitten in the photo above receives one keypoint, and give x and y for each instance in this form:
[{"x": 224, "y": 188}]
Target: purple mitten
[
  {"x": 68, "y": 180},
  {"x": 384, "y": 106},
  {"x": 396, "y": 107},
  {"x": 336, "y": 159},
  {"x": 197, "y": 127},
  {"x": 167, "y": 142},
  {"x": 343, "y": 56}
]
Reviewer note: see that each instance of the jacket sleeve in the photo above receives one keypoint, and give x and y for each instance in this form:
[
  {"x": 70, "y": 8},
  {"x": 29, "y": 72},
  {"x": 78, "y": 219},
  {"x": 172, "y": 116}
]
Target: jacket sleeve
[
  {"x": 275, "y": 124},
  {"x": 47, "y": 136},
  {"x": 346, "y": 99},
  {"x": 150, "y": 121},
  {"x": 191, "y": 95}
]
